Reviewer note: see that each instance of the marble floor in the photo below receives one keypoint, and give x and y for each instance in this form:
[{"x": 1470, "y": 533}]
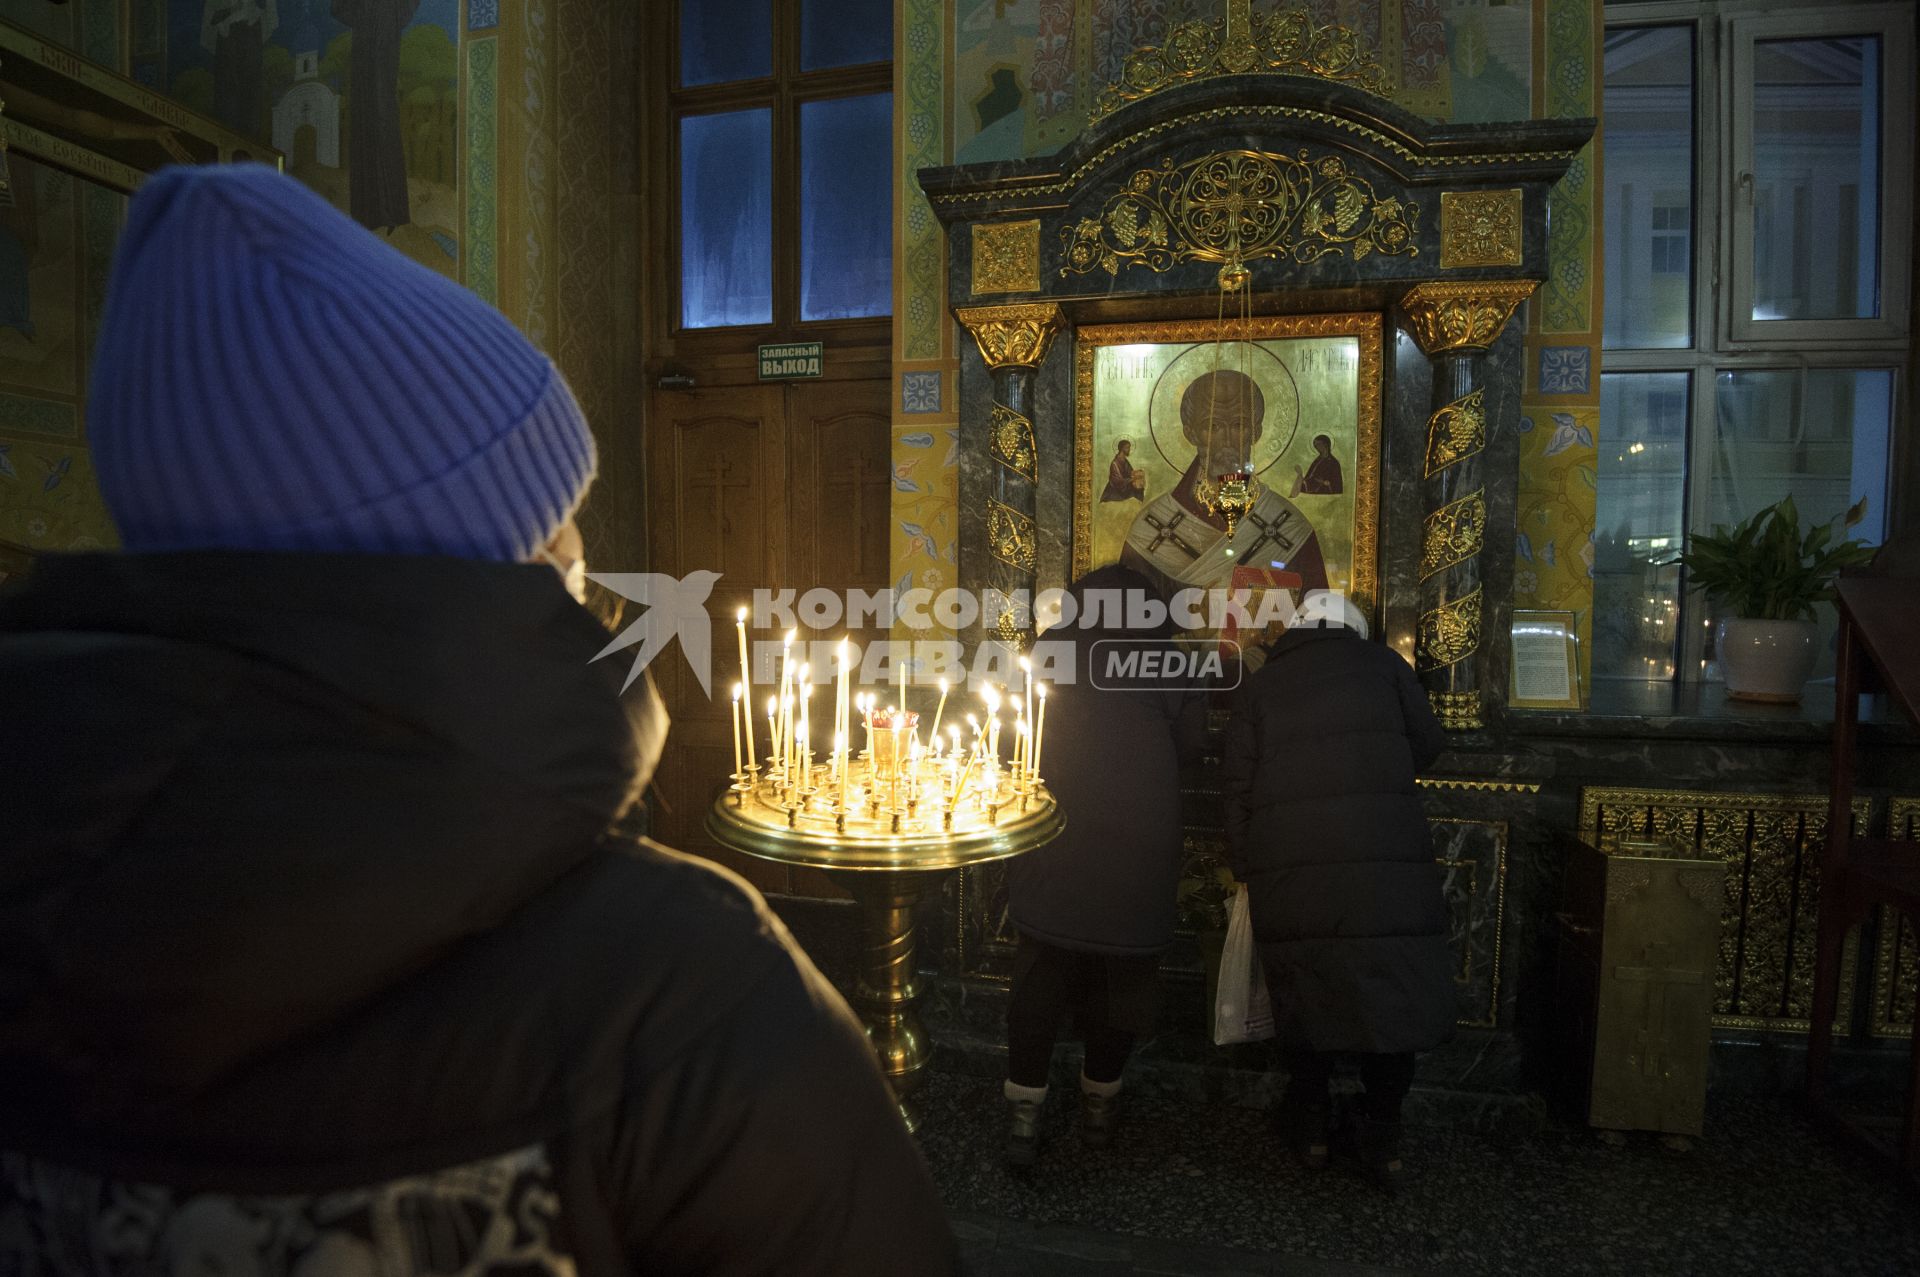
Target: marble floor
[{"x": 1203, "y": 1189}]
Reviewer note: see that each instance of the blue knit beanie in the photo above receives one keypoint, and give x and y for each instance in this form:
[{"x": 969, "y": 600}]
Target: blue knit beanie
[{"x": 270, "y": 376}]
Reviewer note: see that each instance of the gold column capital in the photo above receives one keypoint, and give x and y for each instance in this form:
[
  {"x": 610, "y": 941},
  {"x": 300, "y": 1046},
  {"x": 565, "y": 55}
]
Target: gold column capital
[
  {"x": 1468, "y": 315},
  {"x": 1013, "y": 336}
]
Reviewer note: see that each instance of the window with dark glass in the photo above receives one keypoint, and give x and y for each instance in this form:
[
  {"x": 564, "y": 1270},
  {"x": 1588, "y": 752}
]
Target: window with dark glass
[
  {"x": 783, "y": 116},
  {"x": 1755, "y": 335}
]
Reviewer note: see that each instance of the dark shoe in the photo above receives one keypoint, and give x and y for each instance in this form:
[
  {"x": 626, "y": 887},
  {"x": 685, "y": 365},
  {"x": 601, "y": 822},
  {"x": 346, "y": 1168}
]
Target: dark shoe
[
  {"x": 1377, "y": 1146},
  {"x": 1304, "y": 1128},
  {"x": 1023, "y": 1138},
  {"x": 1098, "y": 1116}
]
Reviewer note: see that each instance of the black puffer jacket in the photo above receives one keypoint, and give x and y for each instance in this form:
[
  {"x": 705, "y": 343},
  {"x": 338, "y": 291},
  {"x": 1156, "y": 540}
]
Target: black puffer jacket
[
  {"x": 1325, "y": 826},
  {"x": 312, "y": 942},
  {"x": 1112, "y": 756}
]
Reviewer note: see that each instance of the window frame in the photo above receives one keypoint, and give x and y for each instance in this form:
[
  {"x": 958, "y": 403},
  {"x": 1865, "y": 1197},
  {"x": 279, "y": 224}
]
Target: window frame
[
  {"x": 784, "y": 92},
  {"x": 1894, "y": 29},
  {"x": 1717, "y": 345}
]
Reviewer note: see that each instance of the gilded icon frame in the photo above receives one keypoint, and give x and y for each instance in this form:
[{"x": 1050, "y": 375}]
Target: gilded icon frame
[{"x": 1365, "y": 328}]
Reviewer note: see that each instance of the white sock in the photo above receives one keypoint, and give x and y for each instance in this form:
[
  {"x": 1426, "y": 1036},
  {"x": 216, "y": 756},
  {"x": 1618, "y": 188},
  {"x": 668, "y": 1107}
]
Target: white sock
[
  {"x": 1025, "y": 1094},
  {"x": 1105, "y": 1090}
]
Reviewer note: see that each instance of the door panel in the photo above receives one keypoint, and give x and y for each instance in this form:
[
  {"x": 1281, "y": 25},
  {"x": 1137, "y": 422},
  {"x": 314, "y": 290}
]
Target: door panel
[
  {"x": 774, "y": 487},
  {"x": 839, "y": 452},
  {"x": 717, "y": 461}
]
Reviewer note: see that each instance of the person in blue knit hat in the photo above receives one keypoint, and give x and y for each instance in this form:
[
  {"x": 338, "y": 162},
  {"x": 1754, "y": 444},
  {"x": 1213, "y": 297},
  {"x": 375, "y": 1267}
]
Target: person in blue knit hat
[{"x": 318, "y": 936}]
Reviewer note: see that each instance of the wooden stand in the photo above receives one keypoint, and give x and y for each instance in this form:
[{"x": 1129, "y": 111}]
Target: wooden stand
[{"x": 1879, "y": 626}]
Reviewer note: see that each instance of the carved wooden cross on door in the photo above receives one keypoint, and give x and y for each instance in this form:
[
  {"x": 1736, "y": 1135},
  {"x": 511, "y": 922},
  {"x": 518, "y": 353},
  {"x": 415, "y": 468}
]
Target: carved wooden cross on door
[
  {"x": 718, "y": 478},
  {"x": 1656, "y": 975}
]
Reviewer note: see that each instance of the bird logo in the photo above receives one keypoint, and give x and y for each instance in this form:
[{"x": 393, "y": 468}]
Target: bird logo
[{"x": 674, "y": 606}]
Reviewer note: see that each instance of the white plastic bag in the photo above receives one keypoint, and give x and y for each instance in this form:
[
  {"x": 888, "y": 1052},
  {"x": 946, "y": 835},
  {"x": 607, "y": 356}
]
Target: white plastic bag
[{"x": 1242, "y": 1011}]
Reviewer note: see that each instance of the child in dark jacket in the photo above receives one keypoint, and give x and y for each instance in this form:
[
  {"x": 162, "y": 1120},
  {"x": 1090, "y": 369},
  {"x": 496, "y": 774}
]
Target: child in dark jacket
[{"x": 1325, "y": 827}]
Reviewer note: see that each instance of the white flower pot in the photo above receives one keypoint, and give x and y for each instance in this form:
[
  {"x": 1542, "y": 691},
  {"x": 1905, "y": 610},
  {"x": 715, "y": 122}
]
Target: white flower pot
[{"x": 1767, "y": 661}]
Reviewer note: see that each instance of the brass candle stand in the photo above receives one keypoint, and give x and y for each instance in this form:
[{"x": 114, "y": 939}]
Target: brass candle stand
[{"x": 887, "y": 823}]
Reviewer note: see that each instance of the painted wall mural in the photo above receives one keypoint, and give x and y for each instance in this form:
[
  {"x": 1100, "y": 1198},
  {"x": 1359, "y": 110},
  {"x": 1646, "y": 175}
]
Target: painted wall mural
[
  {"x": 1001, "y": 79},
  {"x": 434, "y": 122},
  {"x": 56, "y": 245},
  {"x": 361, "y": 96}
]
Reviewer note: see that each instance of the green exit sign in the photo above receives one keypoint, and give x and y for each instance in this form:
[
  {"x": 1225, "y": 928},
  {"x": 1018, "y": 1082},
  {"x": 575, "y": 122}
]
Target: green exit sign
[{"x": 795, "y": 359}]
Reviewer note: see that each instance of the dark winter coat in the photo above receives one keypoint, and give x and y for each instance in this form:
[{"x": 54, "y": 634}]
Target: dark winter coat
[
  {"x": 1325, "y": 827},
  {"x": 1112, "y": 756},
  {"x": 314, "y": 944}
]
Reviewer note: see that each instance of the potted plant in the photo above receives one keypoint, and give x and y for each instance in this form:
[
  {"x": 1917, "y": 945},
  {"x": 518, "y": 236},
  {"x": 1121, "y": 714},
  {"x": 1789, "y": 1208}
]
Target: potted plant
[{"x": 1766, "y": 575}]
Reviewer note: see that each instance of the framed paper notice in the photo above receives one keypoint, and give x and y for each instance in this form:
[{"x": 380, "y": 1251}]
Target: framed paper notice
[{"x": 1546, "y": 661}]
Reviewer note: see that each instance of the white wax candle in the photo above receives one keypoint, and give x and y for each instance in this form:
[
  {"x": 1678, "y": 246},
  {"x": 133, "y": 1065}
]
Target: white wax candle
[{"x": 746, "y": 683}]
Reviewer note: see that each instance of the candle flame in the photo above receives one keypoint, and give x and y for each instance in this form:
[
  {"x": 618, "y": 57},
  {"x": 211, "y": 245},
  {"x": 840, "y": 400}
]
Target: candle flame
[{"x": 741, "y": 616}]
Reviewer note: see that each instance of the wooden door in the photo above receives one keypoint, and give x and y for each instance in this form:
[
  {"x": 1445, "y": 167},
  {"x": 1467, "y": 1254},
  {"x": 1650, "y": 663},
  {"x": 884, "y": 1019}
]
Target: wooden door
[{"x": 773, "y": 487}]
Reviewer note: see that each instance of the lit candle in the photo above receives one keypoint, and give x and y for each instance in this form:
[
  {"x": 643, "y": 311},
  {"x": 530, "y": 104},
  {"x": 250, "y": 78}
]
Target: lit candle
[
  {"x": 1039, "y": 730},
  {"x": 903, "y": 677},
  {"x": 773, "y": 731},
  {"x": 746, "y": 683},
  {"x": 840, "y": 752},
  {"x": 938, "y": 710},
  {"x": 733, "y": 717},
  {"x": 786, "y": 700},
  {"x": 806, "y": 726},
  {"x": 1019, "y": 742},
  {"x": 1026, "y": 667},
  {"x": 842, "y": 723}
]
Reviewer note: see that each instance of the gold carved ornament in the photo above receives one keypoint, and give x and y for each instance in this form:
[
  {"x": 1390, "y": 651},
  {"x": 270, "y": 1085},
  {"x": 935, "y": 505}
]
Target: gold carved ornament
[
  {"x": 1457, "y": 711},
  {"x": 1278, "y": 113},
  {"x": 1454, "y": 533},
  {"x": 1008, "y": 630},
  {"x": 1284, "y": 43},
  {"x": 1012, "y": 537},
  {"x": 1010, "y": 440},
  {"x": 1475, "y": 786},
  {"x": 1769, "y": 842},
  {"x": 1464, "y": 316},
  {"x": 1896, "y": 959},
  {"x": 1006, "y": 257},
  {"x": 1481, "y": 228},
  {"x": 1240, "y": 206},
  {"x": 1012, "y": 336},
  {"x": 1450, "y": 633},
  {"x": 1456, "y": 431}
]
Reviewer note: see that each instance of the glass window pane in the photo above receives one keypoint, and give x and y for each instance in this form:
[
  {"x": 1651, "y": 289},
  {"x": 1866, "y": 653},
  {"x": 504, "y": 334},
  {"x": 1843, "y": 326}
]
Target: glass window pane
[
  {"x": 1640, "y": 524},
  {"x": 1649, "y": 187},
  {"x": 846, "y": 207},
  {"x": 726, "y": 219},
  {"x": 1816, "y": 179},
  {"x": 838, "y": 33},
  {"x": 1820, "y": 437},
  {"x": 723, "y": 40}
]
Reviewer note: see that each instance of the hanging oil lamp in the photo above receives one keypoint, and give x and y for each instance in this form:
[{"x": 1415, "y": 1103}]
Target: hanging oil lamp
[{"x": 1231, "y": 493}]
